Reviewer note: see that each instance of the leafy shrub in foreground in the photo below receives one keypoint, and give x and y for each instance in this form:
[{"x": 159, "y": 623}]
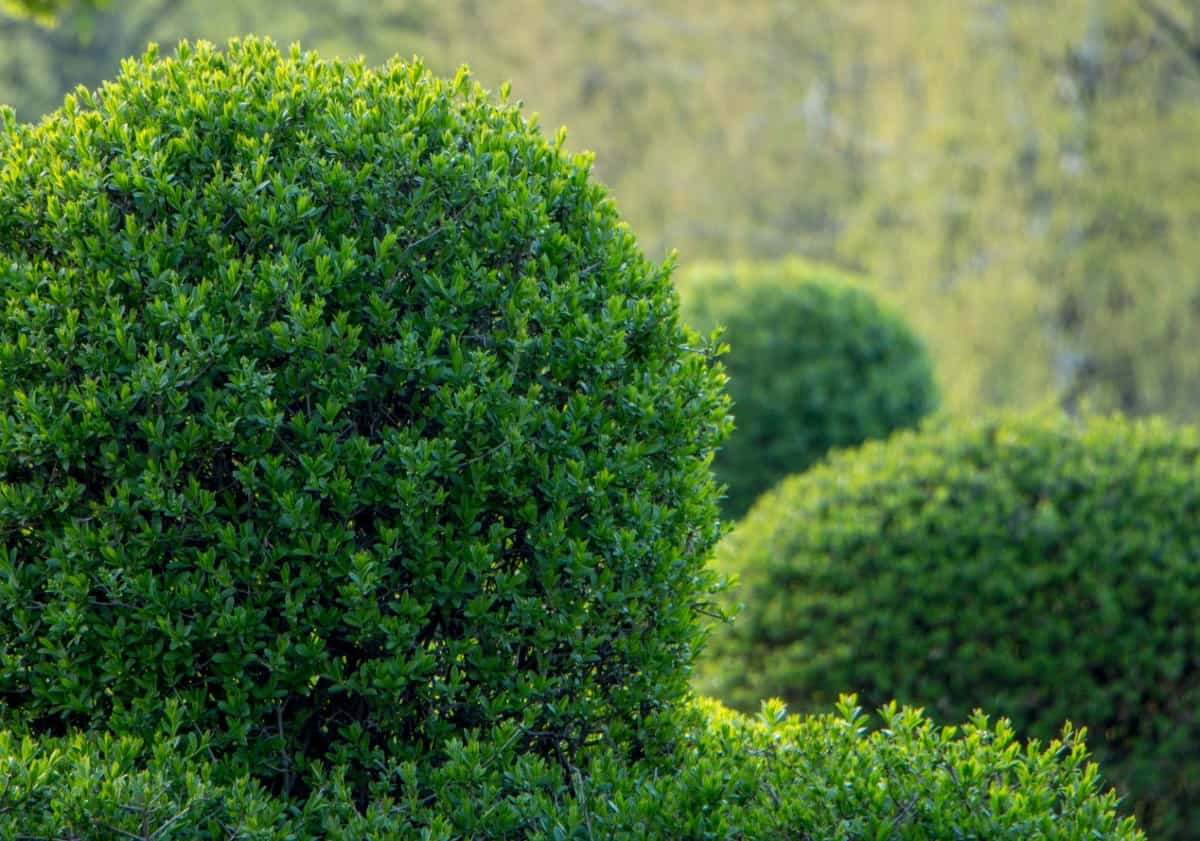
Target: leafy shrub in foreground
[
  {"x": 815, "y": 363},
  {"x": 826, "y": 777},
  {"x": 97, "y": 787},
  {"x": 1038, "y": 568},
  {"x": 339, "y": 406}
]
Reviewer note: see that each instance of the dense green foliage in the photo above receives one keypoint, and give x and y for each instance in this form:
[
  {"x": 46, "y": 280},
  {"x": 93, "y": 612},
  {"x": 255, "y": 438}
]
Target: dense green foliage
[
  {"x": 814, "y": 363},
  {"x": 1039, "y": 569},
  {"x": 354, "y": 484},
  {"x": 339, "y": 406},
  {"x": 729, "y": 778},
  {"x": 98, "y": 787}
]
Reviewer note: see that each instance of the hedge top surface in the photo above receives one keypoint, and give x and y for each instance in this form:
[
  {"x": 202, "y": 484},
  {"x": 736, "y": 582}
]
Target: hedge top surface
[
  {"x": 1036, "y": 567},
  {"x": 816, "y": 363},
  {"x": 834, "y": 777},
  {"x": 338, "y": 405}
]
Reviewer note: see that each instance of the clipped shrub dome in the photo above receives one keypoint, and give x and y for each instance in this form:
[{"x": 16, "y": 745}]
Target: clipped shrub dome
[
  {"x": 1042, "y": 570},
  {"x": 815, "y": 363},
  {"x": 338, "y": 407}
]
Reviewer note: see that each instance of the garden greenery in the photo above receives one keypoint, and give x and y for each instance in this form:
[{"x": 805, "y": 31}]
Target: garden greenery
[
  {"x": 338, "y": 405},
  {"x": 815, "y": 363},
  {"x": 832, "y": 777},
  {"x": 355, "y": 483},
  {"x": 1040, "y": 568}
]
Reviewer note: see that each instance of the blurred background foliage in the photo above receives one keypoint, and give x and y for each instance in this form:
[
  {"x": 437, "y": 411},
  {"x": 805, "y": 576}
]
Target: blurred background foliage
[
  {"x": 1017, "y": 176},
  {"x": 814, "y": 364}
]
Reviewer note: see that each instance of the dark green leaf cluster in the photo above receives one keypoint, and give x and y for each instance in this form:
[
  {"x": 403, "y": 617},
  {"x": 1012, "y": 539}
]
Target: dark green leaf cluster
[
  {"x": 727, "y": 777},
  {"x": 339, "y": 406},
  {"x": 1042, "y": 569},
  {"x": 815, "y": 363}
]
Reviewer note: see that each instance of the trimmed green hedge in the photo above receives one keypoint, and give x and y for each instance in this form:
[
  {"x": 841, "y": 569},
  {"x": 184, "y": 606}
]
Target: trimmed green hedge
[
  {"x": 728, "y": 777},
  {"x": 816, "y": 363},
  {"x": 99, "y": 788},
  {"x": 339, "y": 405},
  {"x": 1038, "y": 568}
]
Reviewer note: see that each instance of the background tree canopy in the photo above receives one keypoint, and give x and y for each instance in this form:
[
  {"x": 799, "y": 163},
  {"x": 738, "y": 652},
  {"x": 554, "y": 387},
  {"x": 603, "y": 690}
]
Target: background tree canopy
[
  {"x": 46, "y": 11},
  {"x": 1017, "y": 177}
]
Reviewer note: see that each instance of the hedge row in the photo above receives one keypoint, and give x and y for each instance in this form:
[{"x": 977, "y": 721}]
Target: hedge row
[{"x": 728, "y": 777}]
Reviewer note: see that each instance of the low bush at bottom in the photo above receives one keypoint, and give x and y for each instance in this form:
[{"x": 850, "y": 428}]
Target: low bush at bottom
[{"x": 727, "y": 776}]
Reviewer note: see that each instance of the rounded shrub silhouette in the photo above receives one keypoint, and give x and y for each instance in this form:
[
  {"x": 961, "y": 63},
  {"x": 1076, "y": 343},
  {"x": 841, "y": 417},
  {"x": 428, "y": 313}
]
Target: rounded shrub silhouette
[
  {"x": 815, "y": 363},
  {"x": 1041, "y": 569},
  {"x": 338, "y": 408}
]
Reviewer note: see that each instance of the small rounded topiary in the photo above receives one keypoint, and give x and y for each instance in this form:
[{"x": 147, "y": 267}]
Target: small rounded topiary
[
  {"x": 1035, "y": 567},
  {"x": 338, "y": 407},
  {"x": 815, "y": 363}
]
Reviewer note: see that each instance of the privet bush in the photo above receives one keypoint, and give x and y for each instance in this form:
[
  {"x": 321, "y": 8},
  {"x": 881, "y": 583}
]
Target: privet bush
[
  {"x": 815, "y": 363},
  {"x": 338, "y": 407},
  {"x": 829, "y": 777},
  {"x": 1038, "y": 568}
]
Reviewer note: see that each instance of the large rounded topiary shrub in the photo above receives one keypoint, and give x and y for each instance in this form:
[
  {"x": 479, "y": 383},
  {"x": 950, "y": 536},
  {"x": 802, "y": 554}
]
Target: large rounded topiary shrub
[
  {"x": 1038, "y": 568},
  {"x": 815, "y": 363},
  {"x": 339, "y": 409}
]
